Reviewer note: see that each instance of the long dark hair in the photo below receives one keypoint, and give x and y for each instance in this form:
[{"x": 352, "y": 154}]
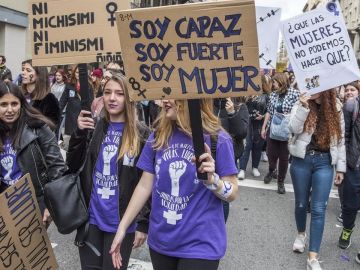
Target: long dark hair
[
  {"x": 73, "y": 80},
  {"x": 42, "y": 84},
  {"x": 28, "y": 115},
  {"x": 325, "y": 123}
]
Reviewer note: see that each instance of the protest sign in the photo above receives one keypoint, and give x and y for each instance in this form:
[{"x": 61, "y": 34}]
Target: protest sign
[
  {"x": 320, "y": 50},
  {"x": 203, "y": 50},
  {"x": 67, "y": 31},
  {"x": 268, "y": 26},
  {"x": 24, "y": 243}
]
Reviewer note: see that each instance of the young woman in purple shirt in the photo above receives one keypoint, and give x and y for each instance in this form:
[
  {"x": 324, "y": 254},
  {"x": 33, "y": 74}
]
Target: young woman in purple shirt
[
  {"x": 110, "y": 149},
  {"x": 187, "y": 228}
]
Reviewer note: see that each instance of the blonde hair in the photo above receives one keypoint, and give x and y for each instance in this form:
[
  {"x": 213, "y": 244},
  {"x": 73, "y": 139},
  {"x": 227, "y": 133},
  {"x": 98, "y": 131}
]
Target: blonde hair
[
  {"x": 131, "y": 139},
  {"x": 165, "y": 126},
  {"x": 266, "y": 84},
  {"x": 283, "y": 82}
]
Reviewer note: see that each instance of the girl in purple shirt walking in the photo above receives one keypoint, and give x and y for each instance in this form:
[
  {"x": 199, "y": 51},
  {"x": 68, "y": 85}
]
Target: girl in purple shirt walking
[{"x": 187, "y": 228}]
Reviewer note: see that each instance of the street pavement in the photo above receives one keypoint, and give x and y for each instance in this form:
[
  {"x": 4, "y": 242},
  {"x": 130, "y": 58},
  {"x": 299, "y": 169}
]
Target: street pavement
[{"x": 261, "y": 230}]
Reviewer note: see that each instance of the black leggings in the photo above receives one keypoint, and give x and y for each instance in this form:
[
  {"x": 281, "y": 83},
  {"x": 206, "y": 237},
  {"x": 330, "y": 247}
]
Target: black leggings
[
  {"x": 102, "y": 241},
  {"x": 163, "y": 262}
]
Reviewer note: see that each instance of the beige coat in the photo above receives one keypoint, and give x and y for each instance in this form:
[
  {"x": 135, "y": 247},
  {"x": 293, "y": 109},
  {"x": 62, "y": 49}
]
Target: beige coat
[{"x": 300, "y": 139}]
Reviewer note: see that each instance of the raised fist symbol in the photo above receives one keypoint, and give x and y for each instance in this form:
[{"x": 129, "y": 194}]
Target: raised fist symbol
[
  {"x": 176, "y": 170},
  {"x": 108, "y": 153},
  {"x": 7, "y": 162}
]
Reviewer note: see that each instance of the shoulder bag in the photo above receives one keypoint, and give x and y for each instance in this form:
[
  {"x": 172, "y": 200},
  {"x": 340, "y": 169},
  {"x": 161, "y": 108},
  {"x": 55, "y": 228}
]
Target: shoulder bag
[
  {"x": 64, "y": 199},
  {"x": 279, "y": 126}
]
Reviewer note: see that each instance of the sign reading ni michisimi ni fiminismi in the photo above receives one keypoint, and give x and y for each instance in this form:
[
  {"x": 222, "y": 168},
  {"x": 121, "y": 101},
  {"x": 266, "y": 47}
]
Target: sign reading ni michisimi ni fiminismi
[
  {"x": 320, "y": 50},
  {"x": 203, "y": 50},
  {"x": 68, "y": 31}
]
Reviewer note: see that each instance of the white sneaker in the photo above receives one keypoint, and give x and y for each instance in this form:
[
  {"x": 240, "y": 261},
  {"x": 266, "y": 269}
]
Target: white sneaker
[
  {"x": 300, "y": 243},
  {"x": 313, "y": 264},
  {"x": 255, "y": 172},
  {"x": 241, "y": 175},
  {"x": 264, "y": 156}
]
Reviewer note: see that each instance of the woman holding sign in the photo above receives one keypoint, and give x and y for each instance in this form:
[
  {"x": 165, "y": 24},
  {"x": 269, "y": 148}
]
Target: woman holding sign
[
  {"x": 186, "y": 231},
  {"x": 109, "y": 175},
  {"x": 280, "y": 104},
  {"x": 27, "y": 145},
  {"x": 317, "y": 146}
]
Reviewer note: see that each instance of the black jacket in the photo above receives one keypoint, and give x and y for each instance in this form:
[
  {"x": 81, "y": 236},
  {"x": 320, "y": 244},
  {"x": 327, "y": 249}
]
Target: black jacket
[
  {"x": 236, "y": 125},
  {"x": 49, "y": 106},
  {"x": 128, "y": 176},
  {"x": 44, "y": 166},
  {"x": 352, "y": 131},
  {"x": 5, "y": 73},
  {"x": 71, "y": 99}
]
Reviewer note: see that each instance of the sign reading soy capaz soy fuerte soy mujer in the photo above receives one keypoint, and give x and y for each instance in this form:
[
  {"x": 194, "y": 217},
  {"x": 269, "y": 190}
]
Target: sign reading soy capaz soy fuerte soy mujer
[{"x": 191, "y": 51}]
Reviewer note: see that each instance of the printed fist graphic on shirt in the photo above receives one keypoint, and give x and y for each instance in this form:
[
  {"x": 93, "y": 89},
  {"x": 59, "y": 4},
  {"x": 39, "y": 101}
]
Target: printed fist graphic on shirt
[
  {"x": 108, "y": 153},
  {"x": 7, "y": 163},
  {"x": 176, "y": 170}
]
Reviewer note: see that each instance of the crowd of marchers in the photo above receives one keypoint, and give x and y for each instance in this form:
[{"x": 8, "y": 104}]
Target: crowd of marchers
[{"x": 137, "y": 165}]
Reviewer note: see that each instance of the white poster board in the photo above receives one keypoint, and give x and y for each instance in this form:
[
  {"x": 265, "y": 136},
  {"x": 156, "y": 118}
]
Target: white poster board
[
  {"x": 320, "y": 50},
  {"x": 268, "y": 26}
]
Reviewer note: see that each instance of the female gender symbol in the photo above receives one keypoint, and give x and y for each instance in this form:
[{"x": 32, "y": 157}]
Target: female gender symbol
[
  {"x": 111, "y": 8},
  {"x": 332, "y": 7}
]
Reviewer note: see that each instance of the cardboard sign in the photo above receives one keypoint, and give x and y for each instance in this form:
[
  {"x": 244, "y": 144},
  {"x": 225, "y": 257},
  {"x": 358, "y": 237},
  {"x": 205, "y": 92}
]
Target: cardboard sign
[
  {"x": 203, "y": 50},
  {"x": 24, "y": 243},
  {"x": 320, "y": 50},
  {"x": 71, "y": 32},
  {"x": 268, "y": 26}
]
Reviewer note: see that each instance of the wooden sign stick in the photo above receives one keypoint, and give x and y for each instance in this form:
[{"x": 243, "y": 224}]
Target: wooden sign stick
[
  {"x": 84, "y": 87},
  {"x": 197, "y": 133}
]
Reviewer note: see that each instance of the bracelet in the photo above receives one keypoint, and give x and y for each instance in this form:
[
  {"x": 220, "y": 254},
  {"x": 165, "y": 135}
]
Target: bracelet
[
  {"x": 225, "y": 190},
  {"x": 215, "y": 184}
]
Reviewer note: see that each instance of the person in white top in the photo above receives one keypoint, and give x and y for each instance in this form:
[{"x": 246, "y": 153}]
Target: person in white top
[{"x": 317, "y": 146}]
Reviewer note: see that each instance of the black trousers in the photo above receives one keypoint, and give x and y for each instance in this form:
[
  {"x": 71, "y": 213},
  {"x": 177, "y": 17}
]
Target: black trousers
[
  {"x": 102, "y": 241},
  {"x": 278, "y": 155},
  {"x": 351, "y": 197},
  {"x": 163, "y": 262}
]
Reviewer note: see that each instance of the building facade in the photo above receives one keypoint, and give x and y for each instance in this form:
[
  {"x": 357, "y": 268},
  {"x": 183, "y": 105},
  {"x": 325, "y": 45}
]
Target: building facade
[
  {"x": 351, "y": 12},
  {"x": 312, "y": 4},
  {"x": 13, "y": 33},
  {"x": 282, "y": 60}
]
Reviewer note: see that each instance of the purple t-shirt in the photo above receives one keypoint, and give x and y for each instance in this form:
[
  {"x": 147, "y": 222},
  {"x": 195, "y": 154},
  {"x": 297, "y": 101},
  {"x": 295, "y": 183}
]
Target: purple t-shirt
[
  {"x": 10, "y": 171},
  {"x": 104, "y": 203},
  {"x": 186, "y": 219}
]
